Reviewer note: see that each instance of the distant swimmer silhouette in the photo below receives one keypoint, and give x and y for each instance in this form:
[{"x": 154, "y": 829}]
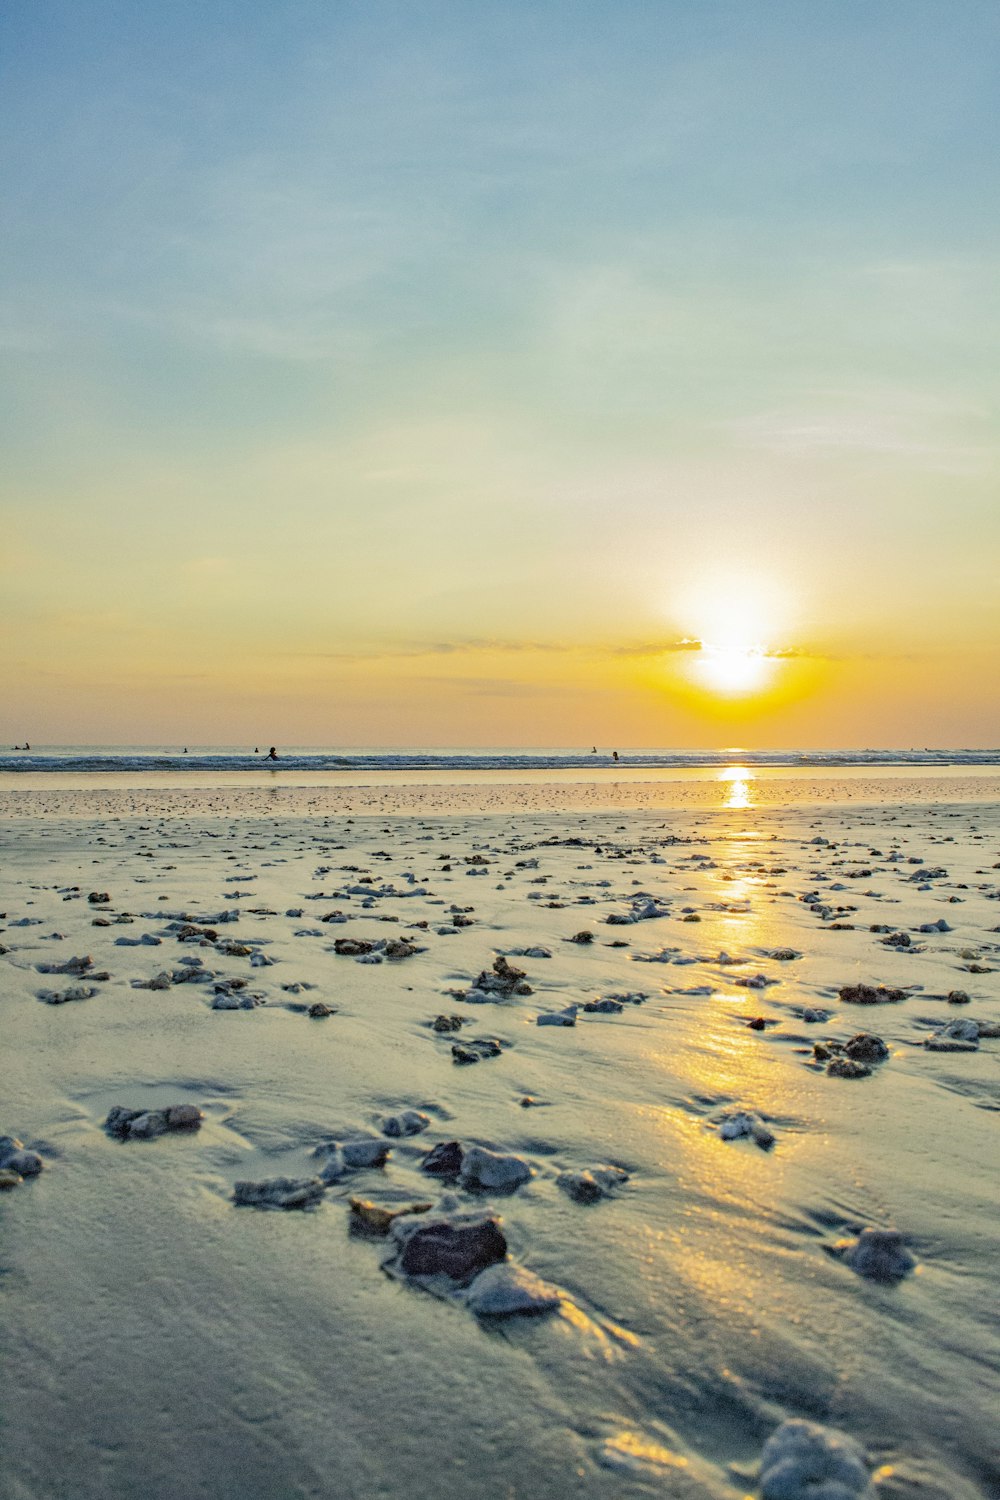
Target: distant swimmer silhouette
[
  {"x": 185, "y": 749},
  {"x": 256, "y": 750},
  {"x": 614, "y": 755},
  {"x": 272, "y": 754},
  {"x": 594, "y": 751}
]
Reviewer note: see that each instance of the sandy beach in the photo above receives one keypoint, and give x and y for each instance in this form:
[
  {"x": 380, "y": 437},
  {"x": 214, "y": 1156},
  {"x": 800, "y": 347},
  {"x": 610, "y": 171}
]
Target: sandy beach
[{"x": 645, "y": 1006}]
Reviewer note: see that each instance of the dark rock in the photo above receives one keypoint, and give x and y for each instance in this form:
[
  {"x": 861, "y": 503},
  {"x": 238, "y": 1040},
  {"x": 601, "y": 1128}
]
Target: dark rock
[
  {"x": 878, "y": 1254},
  {"x": 459, "y": 1251},
  {"x": 475, "y": 1050},
  {"x": 279, "y": 1192},
  {"x": 866, "y": 1048},
  {"x": 867, "y": 994},
  {"x": 352, "y": 947},
  {"x": 846, "y": 1067},
  {"x": 445, "y": 1160},
  {"x": 444, "y": 1024}
]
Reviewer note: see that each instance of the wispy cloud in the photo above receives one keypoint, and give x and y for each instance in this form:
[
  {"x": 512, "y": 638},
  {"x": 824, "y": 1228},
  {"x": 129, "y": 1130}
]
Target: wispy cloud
[{"x": 487, "y": 647}]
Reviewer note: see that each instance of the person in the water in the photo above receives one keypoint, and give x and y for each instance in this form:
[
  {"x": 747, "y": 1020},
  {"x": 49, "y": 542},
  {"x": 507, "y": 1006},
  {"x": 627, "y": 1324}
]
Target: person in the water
[{"x": 272, "y": 754}]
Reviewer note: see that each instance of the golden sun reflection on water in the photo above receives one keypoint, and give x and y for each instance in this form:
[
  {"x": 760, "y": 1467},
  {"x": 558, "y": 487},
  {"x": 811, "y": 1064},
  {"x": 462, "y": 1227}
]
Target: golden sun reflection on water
[{"x": 737, "y": 780}]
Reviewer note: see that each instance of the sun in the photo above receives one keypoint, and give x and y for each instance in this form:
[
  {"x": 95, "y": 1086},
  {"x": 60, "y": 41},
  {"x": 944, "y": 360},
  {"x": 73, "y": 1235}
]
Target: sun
[
  {"x": 736, "y": 627},
  {"x": 734, "y": 670}
]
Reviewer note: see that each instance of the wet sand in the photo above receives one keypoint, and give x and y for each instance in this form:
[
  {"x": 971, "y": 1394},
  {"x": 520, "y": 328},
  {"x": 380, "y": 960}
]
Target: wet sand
[{"x": 162, "y": 1341}]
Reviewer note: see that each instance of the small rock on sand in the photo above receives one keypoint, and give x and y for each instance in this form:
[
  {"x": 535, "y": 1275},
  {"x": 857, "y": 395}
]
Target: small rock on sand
[
  {"x": 878, "y": 1254},
  {"x": 507, "y": 1288},
  {"x": 804, "y": 1461},
  {"x": 444, "y": 1160},
  {"x": 372, "y": 1218},
  {"x": 738, "y": 1123},
  {"x": 458, "y": 1247},
  {"x": 14, "y": 1158},
  {"x": 565, "y": 1017},
  {"x": 867, "y": 994},
  {"x": 407, "y": 1122},
  {"x": 492, "y": 1169},
  {"x": 592, "y": 1183},
  {"x": 279, "y": 1192},
  {"x": 147, "y": 1124}
]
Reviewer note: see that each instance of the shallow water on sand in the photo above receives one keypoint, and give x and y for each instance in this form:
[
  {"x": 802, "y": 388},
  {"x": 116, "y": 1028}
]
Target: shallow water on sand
[{"x": 161, "y": 1342}]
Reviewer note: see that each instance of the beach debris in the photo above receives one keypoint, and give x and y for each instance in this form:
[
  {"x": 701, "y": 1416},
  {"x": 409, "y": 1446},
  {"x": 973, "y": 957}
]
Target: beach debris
[
  {"x": 372, "y": 1218},
  {"x": 443, "y": 1160},
  {"x": 475, "y": 1050},
  {"x": 644, "y": 908},
  {"x": 232, "y": 996},
  {"x": 783, "y": 955},
  {"x": 493, "y": 1170},
  {"x": 457, "y": 1246},
  {"x": 146, "y": 1124},
  {"x": 846, "y": 1067},
  {"x": 867, "y": 994},
  {"x": 960, "y": 1035},
  {"x": 592, "y": 1183},
  {"x": 99, "y": 898},
  {"x": 581, "y": 938},
  {"x": 504, "y": 981},
  {"x": 804, "y": 1461},
  {"x": 866, "y": 1048},
  {"x": 737, "y": 1123},
  {"x": 319, "y": 1010},
  {"x": 355, "y": 1155},
  {"x": 407, "y": 1122},
  {"x": 565, "y": 1017},
  {"x": 161, "y": 981},
  {"x": 18, "y": 1161},
  {"x": 279, "y": 1192},
  {"x": 63, "y": 997},
  {"x": 444, "y": 1024},
  {"x": 506, "y": 1288},
  {"x": 878, "y": 1254},
  {"x": 78, "y": 967}
]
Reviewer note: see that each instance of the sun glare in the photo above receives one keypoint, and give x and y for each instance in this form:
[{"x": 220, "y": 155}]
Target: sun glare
[
  {"x": 734, "y": 670},
  {"x": 736, "y": 631}
]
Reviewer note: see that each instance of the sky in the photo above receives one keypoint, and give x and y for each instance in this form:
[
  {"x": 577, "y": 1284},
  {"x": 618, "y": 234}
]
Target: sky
[{"x": 535, "y": 372}]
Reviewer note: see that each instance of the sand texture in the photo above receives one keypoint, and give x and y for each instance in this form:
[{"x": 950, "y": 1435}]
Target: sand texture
[{"x": 403, "y": 1149}]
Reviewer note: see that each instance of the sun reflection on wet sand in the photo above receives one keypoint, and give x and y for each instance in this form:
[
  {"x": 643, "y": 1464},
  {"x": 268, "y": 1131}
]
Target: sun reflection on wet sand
[{"x": 737, "y": 780}]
